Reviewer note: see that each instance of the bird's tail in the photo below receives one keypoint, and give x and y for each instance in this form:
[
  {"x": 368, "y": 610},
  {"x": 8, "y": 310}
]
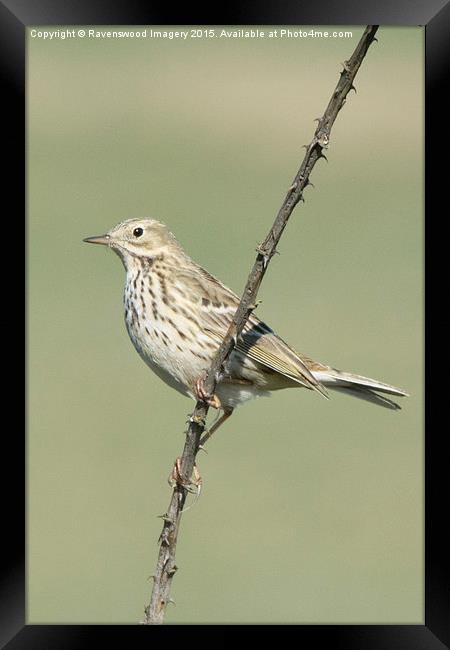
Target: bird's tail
[{"x": 358, "y": 386}]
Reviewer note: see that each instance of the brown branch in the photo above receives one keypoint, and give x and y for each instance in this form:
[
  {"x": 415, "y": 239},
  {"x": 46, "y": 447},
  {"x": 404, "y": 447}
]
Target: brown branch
[{"x": 166, "y": 567}]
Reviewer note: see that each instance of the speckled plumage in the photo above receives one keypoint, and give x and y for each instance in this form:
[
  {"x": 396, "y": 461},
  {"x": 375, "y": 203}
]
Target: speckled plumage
[{"x": 176, "y": 315}]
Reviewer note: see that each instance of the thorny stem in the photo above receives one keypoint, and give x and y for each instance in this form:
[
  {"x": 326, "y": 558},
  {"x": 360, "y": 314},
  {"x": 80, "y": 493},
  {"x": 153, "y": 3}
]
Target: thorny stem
[{"x": 166, "y": 567}]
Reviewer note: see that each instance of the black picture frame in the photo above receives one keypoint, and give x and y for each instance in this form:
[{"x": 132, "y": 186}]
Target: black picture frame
[{"x": 15, "y": 16}]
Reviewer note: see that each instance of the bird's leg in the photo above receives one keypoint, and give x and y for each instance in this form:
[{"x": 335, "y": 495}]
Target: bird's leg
[
  {"x": 206, "y": 436},
  {"x": 201, "y": 394},
  {"x": 218, "y": 416},
  {"x": 176, "y": 477}
]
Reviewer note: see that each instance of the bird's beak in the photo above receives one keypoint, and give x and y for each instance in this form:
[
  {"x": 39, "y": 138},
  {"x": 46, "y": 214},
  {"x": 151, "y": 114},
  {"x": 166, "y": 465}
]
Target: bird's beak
[{"x": 101, "y": 239}]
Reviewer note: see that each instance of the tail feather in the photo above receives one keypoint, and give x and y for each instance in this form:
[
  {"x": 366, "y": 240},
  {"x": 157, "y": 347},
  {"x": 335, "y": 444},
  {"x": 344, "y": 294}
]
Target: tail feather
[
  {"x": 368, "y": 395},
  {"x": 359, "y": 386}
]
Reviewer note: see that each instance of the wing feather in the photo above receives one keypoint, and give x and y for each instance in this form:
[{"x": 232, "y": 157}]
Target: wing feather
[{"x": 216, "y": 306}]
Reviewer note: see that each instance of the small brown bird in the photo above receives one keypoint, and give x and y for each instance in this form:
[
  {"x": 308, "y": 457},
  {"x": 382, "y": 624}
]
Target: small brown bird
[{"x": 177, "y": 314}]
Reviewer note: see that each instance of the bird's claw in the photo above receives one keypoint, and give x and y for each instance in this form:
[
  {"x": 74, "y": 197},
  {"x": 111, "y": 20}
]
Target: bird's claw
[
  {"x": 204, "y": 396},
  {"x": 176, "y": 478}
]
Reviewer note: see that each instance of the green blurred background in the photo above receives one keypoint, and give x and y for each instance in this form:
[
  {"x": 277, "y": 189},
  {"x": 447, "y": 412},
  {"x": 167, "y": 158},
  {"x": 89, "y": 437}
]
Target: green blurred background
[{"x": 312, "y": 511}]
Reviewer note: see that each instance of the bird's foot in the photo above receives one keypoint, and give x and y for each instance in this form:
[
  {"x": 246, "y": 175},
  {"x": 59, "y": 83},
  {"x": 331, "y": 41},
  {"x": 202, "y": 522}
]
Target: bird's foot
[
  {"x": 176, "y": 478},
  {"x": 204, "y": 396}
]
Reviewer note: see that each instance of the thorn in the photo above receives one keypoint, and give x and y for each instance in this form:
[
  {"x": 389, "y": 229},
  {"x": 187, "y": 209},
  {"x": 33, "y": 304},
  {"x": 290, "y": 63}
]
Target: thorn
[
  {"x": 165, "y": 517},
  {"x": 317, "y": 119},
  {"x": 312, "y": 184},
  {"x": 352, "y": 87},
  {"x": 322, "y": 155},
  {"x": 305, "y": 146},
  {"x": 375, "y": 39},
  {"x": 292, "y": 187},
  {"x": 152, "y": 577},
  {"x": 173, "y": 570},
  {"x": 345, "y": 66},
  {"x": 301, "y": 198},
  {"x": 171, "y": 601},
  {"x": 202, "y": 448}
]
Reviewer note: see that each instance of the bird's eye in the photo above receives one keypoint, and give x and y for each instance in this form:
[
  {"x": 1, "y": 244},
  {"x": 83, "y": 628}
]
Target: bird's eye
[{"x": 137, "y": 232}]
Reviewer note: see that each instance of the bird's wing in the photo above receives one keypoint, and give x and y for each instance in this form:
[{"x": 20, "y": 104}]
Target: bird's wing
[{"x": 216, "y": 306}]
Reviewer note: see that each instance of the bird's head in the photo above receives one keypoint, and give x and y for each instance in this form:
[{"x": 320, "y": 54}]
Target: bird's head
[{"x": 137, "y": 238}]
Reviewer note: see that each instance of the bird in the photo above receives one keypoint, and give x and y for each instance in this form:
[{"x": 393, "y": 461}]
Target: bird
[{"x": 177, "y": 314}]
